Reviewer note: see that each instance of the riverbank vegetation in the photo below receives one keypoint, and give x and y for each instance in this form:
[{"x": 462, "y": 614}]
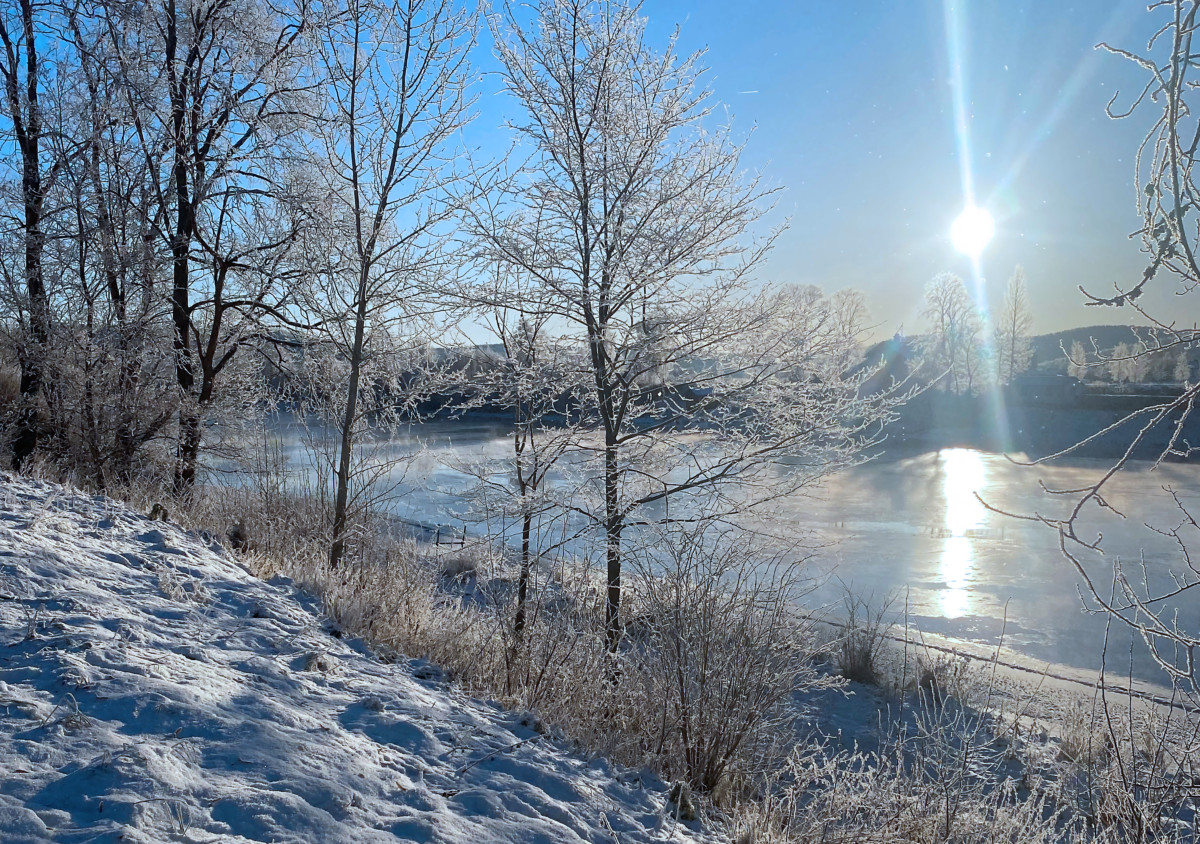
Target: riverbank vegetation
[{"x": 726, "y": 688}]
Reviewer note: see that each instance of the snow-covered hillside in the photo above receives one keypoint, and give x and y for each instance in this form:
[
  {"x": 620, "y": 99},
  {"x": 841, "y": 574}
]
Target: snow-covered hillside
[{"x": 152, "y": 690}]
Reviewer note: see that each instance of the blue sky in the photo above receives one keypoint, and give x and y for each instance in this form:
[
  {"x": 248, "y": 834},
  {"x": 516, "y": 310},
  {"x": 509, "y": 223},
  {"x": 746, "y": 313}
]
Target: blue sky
[{"x": 849, "y": 107}]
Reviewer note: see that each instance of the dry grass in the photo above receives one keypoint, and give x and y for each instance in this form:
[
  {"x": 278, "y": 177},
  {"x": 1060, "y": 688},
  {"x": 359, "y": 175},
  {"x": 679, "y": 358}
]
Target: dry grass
[
  {"x": 864, "y": 637},
  {"x": 10, "y": 387}
]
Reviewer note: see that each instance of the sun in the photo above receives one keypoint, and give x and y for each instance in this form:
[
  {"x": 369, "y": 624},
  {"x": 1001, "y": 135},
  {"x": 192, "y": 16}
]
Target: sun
[{"x": 972, "y": 231}]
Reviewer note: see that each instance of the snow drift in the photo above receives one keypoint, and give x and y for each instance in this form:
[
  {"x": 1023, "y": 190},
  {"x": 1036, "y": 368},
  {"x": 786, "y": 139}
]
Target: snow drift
[{"x": 153, "y": 690}]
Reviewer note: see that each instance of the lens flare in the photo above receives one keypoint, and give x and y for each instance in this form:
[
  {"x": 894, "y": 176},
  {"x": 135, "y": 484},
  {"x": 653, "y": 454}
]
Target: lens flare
[{"x": 974, "y": 228}]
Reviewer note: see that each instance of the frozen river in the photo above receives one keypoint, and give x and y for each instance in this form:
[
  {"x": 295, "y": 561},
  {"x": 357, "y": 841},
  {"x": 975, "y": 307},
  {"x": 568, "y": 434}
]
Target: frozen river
[{"x": 913, "y": 527}]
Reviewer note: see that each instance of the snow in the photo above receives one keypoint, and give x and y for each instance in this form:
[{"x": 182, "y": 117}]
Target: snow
[{"x": 153, "y": 690}]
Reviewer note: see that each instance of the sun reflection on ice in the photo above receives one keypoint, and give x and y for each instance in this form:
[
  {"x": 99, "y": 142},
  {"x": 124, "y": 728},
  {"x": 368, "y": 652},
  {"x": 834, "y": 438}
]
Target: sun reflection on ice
[{"x": 964, "y": 474}]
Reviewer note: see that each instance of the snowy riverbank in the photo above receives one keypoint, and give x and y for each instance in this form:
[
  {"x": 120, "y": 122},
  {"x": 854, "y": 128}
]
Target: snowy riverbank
[{"x": 154, "y": 690}]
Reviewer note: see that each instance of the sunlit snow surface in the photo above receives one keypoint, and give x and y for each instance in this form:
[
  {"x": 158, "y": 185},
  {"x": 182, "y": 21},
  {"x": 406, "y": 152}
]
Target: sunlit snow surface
[{"x": 151, "y": 690}]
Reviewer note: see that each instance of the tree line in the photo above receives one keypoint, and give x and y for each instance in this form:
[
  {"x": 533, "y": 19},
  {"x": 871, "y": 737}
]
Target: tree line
[{"x": 965, "y": 348}]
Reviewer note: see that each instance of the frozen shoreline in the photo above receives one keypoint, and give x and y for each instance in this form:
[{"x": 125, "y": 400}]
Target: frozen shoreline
[{"x": 1045, "y": 681}]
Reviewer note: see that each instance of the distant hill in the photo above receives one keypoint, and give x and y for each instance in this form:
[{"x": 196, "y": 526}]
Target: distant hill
[
  {"x": 1048, "y": 348},
  {"x": 1048, "y": 356}
]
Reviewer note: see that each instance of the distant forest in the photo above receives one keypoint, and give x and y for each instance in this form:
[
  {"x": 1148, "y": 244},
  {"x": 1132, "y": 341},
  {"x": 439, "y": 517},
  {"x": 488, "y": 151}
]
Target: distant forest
[{"x": 1107, "y": 353}]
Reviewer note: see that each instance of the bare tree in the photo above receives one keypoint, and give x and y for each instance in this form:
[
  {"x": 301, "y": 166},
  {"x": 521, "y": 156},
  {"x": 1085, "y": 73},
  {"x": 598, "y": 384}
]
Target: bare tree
[
  {"x": 216, "y": 93},
  {"x": 537, "y": 380},
  {"x": 109, "y": 395},
  {"x": 22, "y": 76},
  {"x": 1014, "y": 350},
  {"x": 1127, "y": 363},
  {"x": 1119, "y": 362},
  {"x": 631, "y": 220},
  {"x": 1182, "y": 370},
  {"x": 395, "y": 75},
  {"x": 850, "y": 314},
  {"x": 99, "y": 360}
]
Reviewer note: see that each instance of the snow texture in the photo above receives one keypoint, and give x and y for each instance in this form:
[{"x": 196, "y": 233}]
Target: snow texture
[{"x": 152, "y": 690}]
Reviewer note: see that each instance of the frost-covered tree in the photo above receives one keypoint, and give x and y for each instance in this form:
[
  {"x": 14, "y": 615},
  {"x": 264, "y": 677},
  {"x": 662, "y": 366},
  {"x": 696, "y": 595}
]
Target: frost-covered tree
[
  {"x": 393, "y": 76},
  {"x": 216, "y": 91},
  {"x": 112, "y": 364},
  {"x": 954, "y": 332},
  {"x": 537, "y": 379},
  {"x": 1014, "y": 350},
  {"x": 1077, "y": 360},
  {"x": 1118, "y": 363},
  {"x": 1127, "y": 363},
  {"x": 70, "y": 312},
  {"x": 1182, "y": 370},
  {"x": 631, "y": 220}
]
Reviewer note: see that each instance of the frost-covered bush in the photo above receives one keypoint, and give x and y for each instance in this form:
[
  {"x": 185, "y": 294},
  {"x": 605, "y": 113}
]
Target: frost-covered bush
[
  {"x": 699, "y": 690},
  {"x": 722, "y": 649},
  {"x": 935, "y": 778},
  {"x": 1129, "y": 770},
  {"x": 862, "y": 642}
]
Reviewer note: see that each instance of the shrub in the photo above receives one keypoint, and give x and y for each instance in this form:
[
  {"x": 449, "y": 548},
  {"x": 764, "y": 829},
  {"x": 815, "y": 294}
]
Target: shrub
[
  {"x": 722, "y": 650},
  {"x": 865, "y": 634}
]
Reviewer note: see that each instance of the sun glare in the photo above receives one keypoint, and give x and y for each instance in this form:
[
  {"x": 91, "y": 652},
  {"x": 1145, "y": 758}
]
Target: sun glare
[
  {"x": 965, "y": 475},
  {"x": 972, "y": 231}
]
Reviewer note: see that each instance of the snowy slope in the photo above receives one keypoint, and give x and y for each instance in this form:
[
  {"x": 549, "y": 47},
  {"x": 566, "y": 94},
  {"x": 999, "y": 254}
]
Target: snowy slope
[{"x": 152, "y": 690}]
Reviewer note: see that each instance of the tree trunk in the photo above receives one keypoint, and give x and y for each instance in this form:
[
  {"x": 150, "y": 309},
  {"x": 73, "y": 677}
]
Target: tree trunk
[
  {"x": 613, "y": 524},
  {"x": 523, "y": 578},
  {"x": 188, "y": 454},
  {"x": 342, "y": 494},
  {"x": 27, "y": 129},
  {"x": 181, "y": 243},
  {"x": 33, "y": 353}
]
